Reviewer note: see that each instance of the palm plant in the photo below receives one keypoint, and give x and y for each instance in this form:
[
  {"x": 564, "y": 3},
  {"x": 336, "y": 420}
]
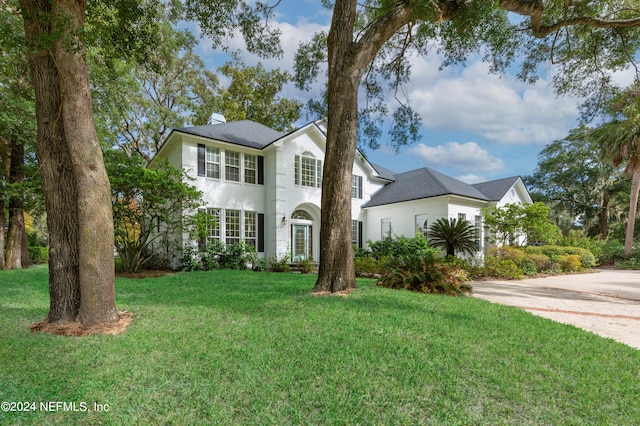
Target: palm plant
[
  {"x": 453, "y": 235},
  {"x": 620, "y": 142}
]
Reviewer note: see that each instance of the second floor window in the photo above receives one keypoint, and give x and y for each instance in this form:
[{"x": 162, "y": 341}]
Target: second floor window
[
  {"x": 356, "y": 187},
  {"x": 308, "y": 171},
  {"x": 250, "y": 167},
  {"x": 213, "y": 162},
  {"x": 232, "y": 166}
]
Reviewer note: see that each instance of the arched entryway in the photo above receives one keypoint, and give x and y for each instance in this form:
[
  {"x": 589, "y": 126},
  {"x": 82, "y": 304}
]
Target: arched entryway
[{"x": 304, "y": 227}]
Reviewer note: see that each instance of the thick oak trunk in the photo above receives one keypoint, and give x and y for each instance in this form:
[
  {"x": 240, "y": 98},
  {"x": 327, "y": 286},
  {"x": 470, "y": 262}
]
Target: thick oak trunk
[
  {"x": 336, "y": 270},
  {"x": 77, "y": 195},
  {"x": 95, "y": 218},
  {"x": 57, "y": 176},
  {"x": 16, "y": 208}
]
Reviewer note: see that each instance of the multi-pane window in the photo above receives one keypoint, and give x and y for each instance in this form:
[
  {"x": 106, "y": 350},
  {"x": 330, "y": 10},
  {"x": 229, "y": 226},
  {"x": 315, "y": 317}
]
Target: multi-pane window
[
  {"x": 356, "y": 187},
  {"x": 213, "y": 162},
  {"x": 250, "y": 228},
  {"x": 462, "y": 217},
  {"x": 421, "y": 224},
  {"x": 232, "y": 226},
  {"x": 250, "y": 167},
  {"x": 354, "y": 231},
  {"x": 308, "y": 171},
  {"x": 232, "y": 166},
  {"x": 386, "y": 227},
  {"x": 478, "y": 232},
  {"x": 213, "y": 225}
]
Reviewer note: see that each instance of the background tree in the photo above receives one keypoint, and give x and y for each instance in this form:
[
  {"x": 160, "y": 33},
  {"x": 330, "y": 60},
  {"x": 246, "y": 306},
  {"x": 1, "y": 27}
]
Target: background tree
[
  {"x": 252, "y": 95},
  {"x": 620, "y": 141},
  {"x": 453, "y": 235},
  {"x": 17, "y": 130},
  {"x": 576, "y": 182},
  {"x": 517, "y": 224},
  {"x": 148, "y": 206}
]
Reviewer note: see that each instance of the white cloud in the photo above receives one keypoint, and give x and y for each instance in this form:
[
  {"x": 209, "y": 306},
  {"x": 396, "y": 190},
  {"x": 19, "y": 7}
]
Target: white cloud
[
  {"x": 469, "y": 157},
  {"x": 471, "y": 179},
  {"x": 501, "y": 110}
]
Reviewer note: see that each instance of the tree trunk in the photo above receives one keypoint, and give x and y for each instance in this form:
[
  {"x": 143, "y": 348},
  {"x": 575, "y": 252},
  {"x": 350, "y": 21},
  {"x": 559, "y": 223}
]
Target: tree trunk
[
  {"x": 78, "y": 213},
  {"x": 95, "y": 218},
  {"x": 633, "y": 205},
  {"x": 336, "y": 270},
  {"x": 4, "y": 173},
  {"x": 16, "y": 207},
  {"x": 603, "y": 215},
  {"x": 59, "y": 185},
  {"x": 348, "y": 60}
]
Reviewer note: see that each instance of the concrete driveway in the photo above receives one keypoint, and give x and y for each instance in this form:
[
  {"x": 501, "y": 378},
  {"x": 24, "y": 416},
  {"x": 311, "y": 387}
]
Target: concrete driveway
[{"x": 605, "y": 302}]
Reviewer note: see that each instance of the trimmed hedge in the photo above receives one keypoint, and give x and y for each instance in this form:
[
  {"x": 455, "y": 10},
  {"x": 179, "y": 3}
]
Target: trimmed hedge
[{"x": 587, "y": 259}]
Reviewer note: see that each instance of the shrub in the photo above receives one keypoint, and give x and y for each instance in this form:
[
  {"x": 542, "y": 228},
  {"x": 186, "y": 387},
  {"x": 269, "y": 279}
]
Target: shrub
[
  {"x": 508, "y": 252},
  {"x": 570, "y": 263},
  {"x": 631, "y": 263},
  {"x": 307, "y": 266},
  {"x": 38, "y": 254},
  {"x": 218, "y": 255},
  {"x": 612, "y": 251},
  {"x": 577, "y": 238},
  {"x": 541, "y": 261},
  {"x": 528, "y": 267},
  {"x": 587, "y": 260},
  {"x": 368, "y": 266},
  {"x": 400, "y": 246},
  {"x": 278, "y": 265},
  {"x": 422, "y": 274},
  {"x": 502, "y": 268},
  {"x": 190, "y": 260}
]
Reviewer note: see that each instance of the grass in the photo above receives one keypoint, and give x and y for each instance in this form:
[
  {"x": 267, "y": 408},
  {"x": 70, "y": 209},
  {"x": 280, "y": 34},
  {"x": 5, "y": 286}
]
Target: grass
[{"x": 229, "y": 347}]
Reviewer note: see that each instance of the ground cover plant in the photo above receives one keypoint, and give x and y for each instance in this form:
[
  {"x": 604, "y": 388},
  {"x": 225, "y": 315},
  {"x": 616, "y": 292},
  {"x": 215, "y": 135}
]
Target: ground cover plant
[{"x": 240, "y": 347}]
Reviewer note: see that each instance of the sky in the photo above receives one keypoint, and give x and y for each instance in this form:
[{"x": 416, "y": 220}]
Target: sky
[{"x": 476, "y": 126}]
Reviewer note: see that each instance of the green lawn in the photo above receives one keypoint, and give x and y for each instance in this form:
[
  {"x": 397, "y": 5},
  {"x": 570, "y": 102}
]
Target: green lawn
[{"x": 228, "y": 347}]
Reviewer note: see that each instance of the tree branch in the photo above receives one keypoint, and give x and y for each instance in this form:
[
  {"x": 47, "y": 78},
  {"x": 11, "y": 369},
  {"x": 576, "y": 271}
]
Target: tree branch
[{"x": 535, "y": 8}]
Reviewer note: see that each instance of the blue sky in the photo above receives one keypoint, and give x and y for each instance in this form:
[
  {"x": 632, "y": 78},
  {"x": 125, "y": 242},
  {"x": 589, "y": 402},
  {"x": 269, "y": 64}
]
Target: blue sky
[{"x": 476, "y": 126}]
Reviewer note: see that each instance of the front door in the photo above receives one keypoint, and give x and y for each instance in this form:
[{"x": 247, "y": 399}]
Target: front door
[{"x": 302, "y": 237}]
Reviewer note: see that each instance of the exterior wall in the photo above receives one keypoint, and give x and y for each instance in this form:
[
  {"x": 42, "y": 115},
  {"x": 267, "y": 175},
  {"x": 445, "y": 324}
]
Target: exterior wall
[{"x": 403, "y": 215}]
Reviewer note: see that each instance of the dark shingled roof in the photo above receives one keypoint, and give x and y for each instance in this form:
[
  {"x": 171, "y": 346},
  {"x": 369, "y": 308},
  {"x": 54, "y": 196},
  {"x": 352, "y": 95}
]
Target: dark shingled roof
[
  {"x": 422, "y": 183},
  {"x": 246, "y": 133},
  {"x": 383, "y": 172},
  {"x": 496, "y": 189}
]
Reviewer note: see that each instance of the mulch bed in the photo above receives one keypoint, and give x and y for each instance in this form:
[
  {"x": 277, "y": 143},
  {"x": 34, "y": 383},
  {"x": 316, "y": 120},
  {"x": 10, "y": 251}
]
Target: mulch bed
[{"x": 79, "y": 330}]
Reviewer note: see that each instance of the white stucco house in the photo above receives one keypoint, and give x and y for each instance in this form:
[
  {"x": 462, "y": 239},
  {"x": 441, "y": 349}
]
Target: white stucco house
[{"x": 265, "y": 187}]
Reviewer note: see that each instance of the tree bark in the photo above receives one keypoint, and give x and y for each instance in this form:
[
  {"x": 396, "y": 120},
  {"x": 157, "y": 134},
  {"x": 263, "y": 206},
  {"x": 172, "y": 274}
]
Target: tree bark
[
  {"x": 633, "y": 205},
  {"x": 16, "y": 207},
  {"x": 348, "y": 60},
  {"x": 81, "y": 274},
  {"x": 95, "y": 218},
  {"x": 4, "y": 173},
  {"x": 603, "y": 215},
  {"x": 57, "y": 176}
]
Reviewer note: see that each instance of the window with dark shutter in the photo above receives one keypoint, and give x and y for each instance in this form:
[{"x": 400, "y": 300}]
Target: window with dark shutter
[
  {"x": 260, "y": 232},
  {"x": 201, "y": 159},
  {"x": 260, "y": 170}
]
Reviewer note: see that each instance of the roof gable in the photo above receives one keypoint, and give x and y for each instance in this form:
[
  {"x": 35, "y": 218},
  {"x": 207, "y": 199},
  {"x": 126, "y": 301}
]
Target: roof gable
[{"x": 495, "y": 190}]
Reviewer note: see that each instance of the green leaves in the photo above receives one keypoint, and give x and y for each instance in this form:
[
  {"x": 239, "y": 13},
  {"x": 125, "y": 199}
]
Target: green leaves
[{"x": 453, "y": 235}]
